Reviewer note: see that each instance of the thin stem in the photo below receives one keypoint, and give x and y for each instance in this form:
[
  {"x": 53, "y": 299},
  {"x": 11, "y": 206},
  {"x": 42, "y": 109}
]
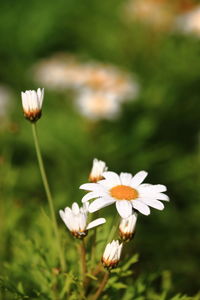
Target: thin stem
[
  {"x": 115, "y": 225},
  {"x": 94, "y": 242},
  {"x": 83, "y": 260},
  {"x": 93, "y": 250},
  {"x": 101, "y": 287},
  {"x": 48, "y": 194}
]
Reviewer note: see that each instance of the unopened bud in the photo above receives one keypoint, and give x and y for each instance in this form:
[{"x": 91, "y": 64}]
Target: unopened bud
[
  {"x": 98, "y": 168},
  {"x": 127, "y": 227},
  {"x": 111, "y": 255},
  {"x": 32, "y": 104}
]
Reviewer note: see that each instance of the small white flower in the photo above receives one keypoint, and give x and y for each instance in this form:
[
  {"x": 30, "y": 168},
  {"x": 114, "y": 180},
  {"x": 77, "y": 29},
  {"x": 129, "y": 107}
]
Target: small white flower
[
  {"x": 32, "y": 104},
  {"x": 75, "y": 219},
  {"x": 127, "y": 227},
  {"x": 98, "y": 168},
  {"x": 126, "y": 191},
  {"x": 111, "y": 255}
]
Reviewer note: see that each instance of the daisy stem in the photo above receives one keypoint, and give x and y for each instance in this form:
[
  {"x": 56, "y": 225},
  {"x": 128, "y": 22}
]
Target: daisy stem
[
  {"x": 93, "y": 250},
  {"x": 101, "y": 286},
  {"x": 83, "y": 260},
  {"x": 48, "y": 194},
  {"x": 113, "y": 231}
]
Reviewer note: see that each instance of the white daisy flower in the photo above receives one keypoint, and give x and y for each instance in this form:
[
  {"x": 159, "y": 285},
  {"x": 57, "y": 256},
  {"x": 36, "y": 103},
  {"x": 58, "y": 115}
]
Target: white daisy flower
[
  {"x": 127, "y": 192},
  {"x": 32, "y": 104},
  {"x": 75, "y": 219},
  {"x": 111, "y": 255},
  {"x": 98, "y": 168}
]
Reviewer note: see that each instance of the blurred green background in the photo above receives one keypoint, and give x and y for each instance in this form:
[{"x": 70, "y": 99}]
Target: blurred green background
[{"x": 158, "y": 132}]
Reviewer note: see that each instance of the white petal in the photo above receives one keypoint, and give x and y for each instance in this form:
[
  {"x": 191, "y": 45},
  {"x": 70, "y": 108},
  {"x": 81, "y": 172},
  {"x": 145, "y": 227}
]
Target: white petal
[
  {"x": 85, "y": 206},
  {"x": 112, "y": 177},
  {"x": 88, "y": 186},
  {"x": 106, "y": 184},
  {"x": 125, "y": 178},
  {"x": 100, "y": 203},
  {"x": 92, "y": 195},
  {"x": 141, "y": 207},
  {"x": 75, "y": 208},
  {"x": 61, "y": 213},
  {"x": 119, "y": 251},
  {"x": 154, "y": 203},
  {"x": 96, "y": 222},
  {"x": 138, "y": 178},
  {"x": 161, "y": 196},
  {"x": 156, "y": 188},
  {"x": 124, "y": 208},
  {"x": 24, "y": 102},
  {"x": 149, "y": 192}
]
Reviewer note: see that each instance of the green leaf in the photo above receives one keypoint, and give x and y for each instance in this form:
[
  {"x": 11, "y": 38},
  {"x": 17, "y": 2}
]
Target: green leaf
[{"x": 119, "y": 285}]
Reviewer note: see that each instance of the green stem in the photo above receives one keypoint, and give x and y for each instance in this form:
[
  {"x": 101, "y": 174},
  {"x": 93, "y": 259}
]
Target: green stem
[
  {"x": 83, "y": 260},
  {"x": 115, "y": 226},
  {"x": 101, "y": 287},
  {"x": 48, "y": 194}
]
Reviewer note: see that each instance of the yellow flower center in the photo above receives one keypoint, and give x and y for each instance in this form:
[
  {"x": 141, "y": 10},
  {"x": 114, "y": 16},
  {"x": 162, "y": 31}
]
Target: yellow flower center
[{"x": 123, "y": 192}]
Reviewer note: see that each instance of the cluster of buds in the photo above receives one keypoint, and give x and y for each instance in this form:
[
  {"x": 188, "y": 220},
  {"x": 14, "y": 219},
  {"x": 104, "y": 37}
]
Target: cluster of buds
[
  {"x": 75, "y": 219},
  {"x": 32, "y": 104},
  {"x": 111, "y": 255},
  {"x": 127, "y": 227}
]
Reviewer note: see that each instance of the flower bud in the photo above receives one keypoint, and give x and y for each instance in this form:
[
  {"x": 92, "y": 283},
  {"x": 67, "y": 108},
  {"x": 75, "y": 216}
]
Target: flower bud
[
  {"x": 111, "y": 255},
  {"x": 127, "y": 227},
  {"x": 32, "y": 104},
  {"x": 98, "y": 168}
]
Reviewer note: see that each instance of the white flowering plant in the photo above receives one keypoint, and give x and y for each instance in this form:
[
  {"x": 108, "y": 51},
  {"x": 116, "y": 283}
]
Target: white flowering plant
[
  {"x": 89, "y": 255},
  {"x": 85, "y": 248}
]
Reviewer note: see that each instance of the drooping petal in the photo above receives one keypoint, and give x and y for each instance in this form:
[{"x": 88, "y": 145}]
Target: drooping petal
[
  {"x": 88, "y": 186},
  {"x": 138, "y": 178},
  {"x": 124, "y": 208},
  {"x": 141, "y": 207},
  {"x": 163, "y": 197},
  {"x": 95, "y": 223},
  {"x": 92, "y": 195},
  {"x": 154, "y": 203},
  {"x": 100, "y": 203}
]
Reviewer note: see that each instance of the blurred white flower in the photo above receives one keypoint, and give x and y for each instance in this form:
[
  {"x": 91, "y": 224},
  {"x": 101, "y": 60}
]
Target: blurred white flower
[
  {"x": 98, "y": 105},
  {"x": 98, "y": 167},
  {"x": 111, "y": 80},
  {"x": 32, "y": 104},
  {"x": 189, "y": 22},
  {"x": 75, "y": 219},
  {"x": 112, "y": 254},
  {"x": 60, "y": 72},
  {"x": 158, "y": 14},
  {"x": 127, "y": 227},
  {"x": 126, "y": 191}
]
